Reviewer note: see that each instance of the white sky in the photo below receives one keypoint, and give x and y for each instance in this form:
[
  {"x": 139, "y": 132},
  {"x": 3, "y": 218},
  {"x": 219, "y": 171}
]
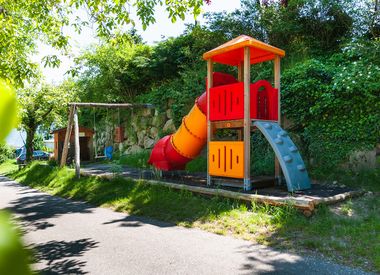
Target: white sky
[{"x": 154, "y": 33}]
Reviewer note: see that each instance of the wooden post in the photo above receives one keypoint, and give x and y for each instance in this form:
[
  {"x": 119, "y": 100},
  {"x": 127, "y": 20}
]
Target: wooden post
[
  {"x": 277, "y": 75},
  {"x": 209, "y": 130},
  {"x": 240, "y": 71},
  {"x": 77, "y": 147},
  {"x": 247, "y": 119},
  {"x": 67, "y": 137},
  {"x": 240, "y": 132}
]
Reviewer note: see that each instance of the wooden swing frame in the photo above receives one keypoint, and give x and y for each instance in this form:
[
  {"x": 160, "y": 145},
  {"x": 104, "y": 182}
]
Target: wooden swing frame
[{"x": 73, "y": 122}]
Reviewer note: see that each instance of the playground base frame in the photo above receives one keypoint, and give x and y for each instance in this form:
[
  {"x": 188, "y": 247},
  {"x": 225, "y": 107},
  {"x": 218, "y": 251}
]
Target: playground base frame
[{"x": 306, "y": 203}]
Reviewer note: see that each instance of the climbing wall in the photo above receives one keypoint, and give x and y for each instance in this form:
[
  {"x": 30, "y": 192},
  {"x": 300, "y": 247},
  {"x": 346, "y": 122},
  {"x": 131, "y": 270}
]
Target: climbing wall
[{"x": 287, "y": 154}]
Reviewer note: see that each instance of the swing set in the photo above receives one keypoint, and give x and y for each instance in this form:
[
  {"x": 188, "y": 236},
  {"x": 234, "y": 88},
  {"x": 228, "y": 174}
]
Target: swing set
[{"x": 73, "y": 123}]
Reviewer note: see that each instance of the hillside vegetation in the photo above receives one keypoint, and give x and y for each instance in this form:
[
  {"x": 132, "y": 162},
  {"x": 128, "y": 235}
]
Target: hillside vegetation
[{"x": 330, "y": 88}]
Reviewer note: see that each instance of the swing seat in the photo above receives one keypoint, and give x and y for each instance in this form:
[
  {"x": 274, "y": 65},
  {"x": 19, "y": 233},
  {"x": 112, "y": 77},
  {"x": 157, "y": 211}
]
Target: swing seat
[{"x": 108, "y": 151}]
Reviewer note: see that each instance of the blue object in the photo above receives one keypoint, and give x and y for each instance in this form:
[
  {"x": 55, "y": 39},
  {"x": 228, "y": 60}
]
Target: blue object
[
  {"x": 108, "y": 152},
  {"x": 287, "y": 154},
  {"x": 20, "y": 151},
  {"x": 38, "y": 155}
]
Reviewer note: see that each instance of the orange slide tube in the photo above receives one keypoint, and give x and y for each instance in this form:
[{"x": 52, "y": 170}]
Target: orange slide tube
[
  {"x": 172, "y": 152},
  {"x": 192, "y": 134}
]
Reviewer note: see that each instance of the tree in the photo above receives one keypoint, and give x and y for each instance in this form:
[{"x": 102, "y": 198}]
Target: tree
[
  {"x": 41, "y": 106},
  {"x": 24, "y": 22},
  {"x": 113, "y": 72},
  {"x": 122, "y": 68}
]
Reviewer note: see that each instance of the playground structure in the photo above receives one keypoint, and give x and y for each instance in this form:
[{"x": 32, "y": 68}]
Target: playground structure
[
  {"x": 238, "y": 105},
  {"x": 73, "y": 123}
]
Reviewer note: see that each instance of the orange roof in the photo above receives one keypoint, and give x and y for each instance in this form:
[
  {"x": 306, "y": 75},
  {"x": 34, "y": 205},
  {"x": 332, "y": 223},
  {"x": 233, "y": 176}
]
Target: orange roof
[{"x": 232, "y": 52}]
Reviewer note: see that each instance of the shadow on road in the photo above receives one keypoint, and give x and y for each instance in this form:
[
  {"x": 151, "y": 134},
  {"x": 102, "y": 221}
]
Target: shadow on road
[
  {"x": 265, "y": 260},
  {"x": 33, "y": 208},
  {"x": 136, "y": 221},
  {"x": 58, "y": 256}
]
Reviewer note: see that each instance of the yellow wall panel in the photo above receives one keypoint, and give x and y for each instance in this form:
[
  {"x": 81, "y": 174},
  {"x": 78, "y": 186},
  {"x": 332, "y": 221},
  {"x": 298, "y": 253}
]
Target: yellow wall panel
[{"x": 226, "y": 159}]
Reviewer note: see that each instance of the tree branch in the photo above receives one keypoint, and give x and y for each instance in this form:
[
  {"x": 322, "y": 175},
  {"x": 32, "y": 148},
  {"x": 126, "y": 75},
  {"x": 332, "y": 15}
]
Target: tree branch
[{"x": 45, "y": 115}]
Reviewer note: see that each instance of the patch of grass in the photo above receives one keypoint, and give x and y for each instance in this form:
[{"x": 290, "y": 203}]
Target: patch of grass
[
  {"x": 198, "y": 164},
  {"x": 8, "y": 166},
  {"x": 137, "y": 160},
  {"x": 349, "y": 233},
  {"x": 366, "y": 179}
]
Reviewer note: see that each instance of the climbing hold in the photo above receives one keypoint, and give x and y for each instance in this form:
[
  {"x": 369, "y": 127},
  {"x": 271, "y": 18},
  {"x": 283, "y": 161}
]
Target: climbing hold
[
  {"x": 301, "y": 167},
  {"x": 282, "y": 134},
  {"x": 293, "y": 149},
  {"x": 288, "y": 158},
  {"x": 278, "y": 141}
]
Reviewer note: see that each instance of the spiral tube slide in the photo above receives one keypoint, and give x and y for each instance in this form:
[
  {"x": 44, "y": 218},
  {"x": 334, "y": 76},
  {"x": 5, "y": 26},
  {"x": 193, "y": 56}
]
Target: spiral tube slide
[{"x": 173, "y": 152}]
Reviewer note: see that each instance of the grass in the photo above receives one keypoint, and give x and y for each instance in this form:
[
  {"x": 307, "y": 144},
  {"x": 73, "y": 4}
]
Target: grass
[
  {"x": 137, "y": 160},
  {"x": 198, "y": 164},
  {"x": 348, "y": 233}
]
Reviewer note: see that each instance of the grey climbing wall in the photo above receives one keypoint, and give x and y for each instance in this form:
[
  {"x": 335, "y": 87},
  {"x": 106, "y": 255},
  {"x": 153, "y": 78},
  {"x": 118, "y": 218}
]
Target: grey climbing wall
[{"x": 287, "y": 153}]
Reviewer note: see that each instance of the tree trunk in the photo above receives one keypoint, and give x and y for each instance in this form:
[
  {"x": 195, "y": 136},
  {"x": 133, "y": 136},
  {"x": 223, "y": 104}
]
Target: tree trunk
[{"x": 29, "y": 143}]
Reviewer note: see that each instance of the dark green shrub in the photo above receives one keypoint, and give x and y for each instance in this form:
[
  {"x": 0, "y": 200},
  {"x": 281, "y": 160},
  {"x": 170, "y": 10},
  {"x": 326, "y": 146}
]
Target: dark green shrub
[
  {"x": 262, "y": 156},
  {"x": 5, "y": 153},
  {"x": 52, "y": 162},
  {"x": 198, "y": 164},
  {"x": 334, "y": 104}
]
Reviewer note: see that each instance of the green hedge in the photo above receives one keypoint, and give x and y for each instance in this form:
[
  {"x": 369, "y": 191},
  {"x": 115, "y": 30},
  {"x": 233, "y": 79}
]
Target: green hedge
[
  {"x": 6, "y": 153},
  {"x": 334, "y": 103}
]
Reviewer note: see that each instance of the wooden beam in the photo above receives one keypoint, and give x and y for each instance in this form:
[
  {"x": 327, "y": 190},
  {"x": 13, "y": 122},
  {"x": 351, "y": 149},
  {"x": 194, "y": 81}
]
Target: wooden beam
[
  {"x": 277, "y": 76},
  {"x": 237, "y": 124},
  {"x": 67, "y": 137},
  {"x": 301, "y": 203},
  {"x": 240, "y": 71},
  {"x": 337, "y": 198},
  {"x": 210, "y": 83},
  {"x": 77, "y": 146},
  {"x": 110, "y": 105},
  {"x": 247, "y": 119},
  {"x": 227, "y": 124}
]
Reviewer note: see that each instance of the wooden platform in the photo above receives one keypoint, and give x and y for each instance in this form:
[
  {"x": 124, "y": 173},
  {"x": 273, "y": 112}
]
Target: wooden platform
[{"x": 270, "y": 194}]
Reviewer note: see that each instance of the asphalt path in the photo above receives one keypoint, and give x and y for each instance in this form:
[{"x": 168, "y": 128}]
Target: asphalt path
[{"x": 71, "y": 237}]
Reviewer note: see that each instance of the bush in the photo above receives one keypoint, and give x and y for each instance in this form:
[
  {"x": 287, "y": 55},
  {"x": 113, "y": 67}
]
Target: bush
[
  {"x": 198, "y": 164},
  {"x": 5, "y": 153},
  {"x": 262, "y": 156},
  {"x": 38, "y": 142},
  {"x": 334, "y": 104},
  {"x": 181, "y": 92},
  {"x": 52, "y": 162}
]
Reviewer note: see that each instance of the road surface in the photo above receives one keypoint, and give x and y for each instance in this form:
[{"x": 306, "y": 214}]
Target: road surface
[{"x": 75, "y": 238}]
